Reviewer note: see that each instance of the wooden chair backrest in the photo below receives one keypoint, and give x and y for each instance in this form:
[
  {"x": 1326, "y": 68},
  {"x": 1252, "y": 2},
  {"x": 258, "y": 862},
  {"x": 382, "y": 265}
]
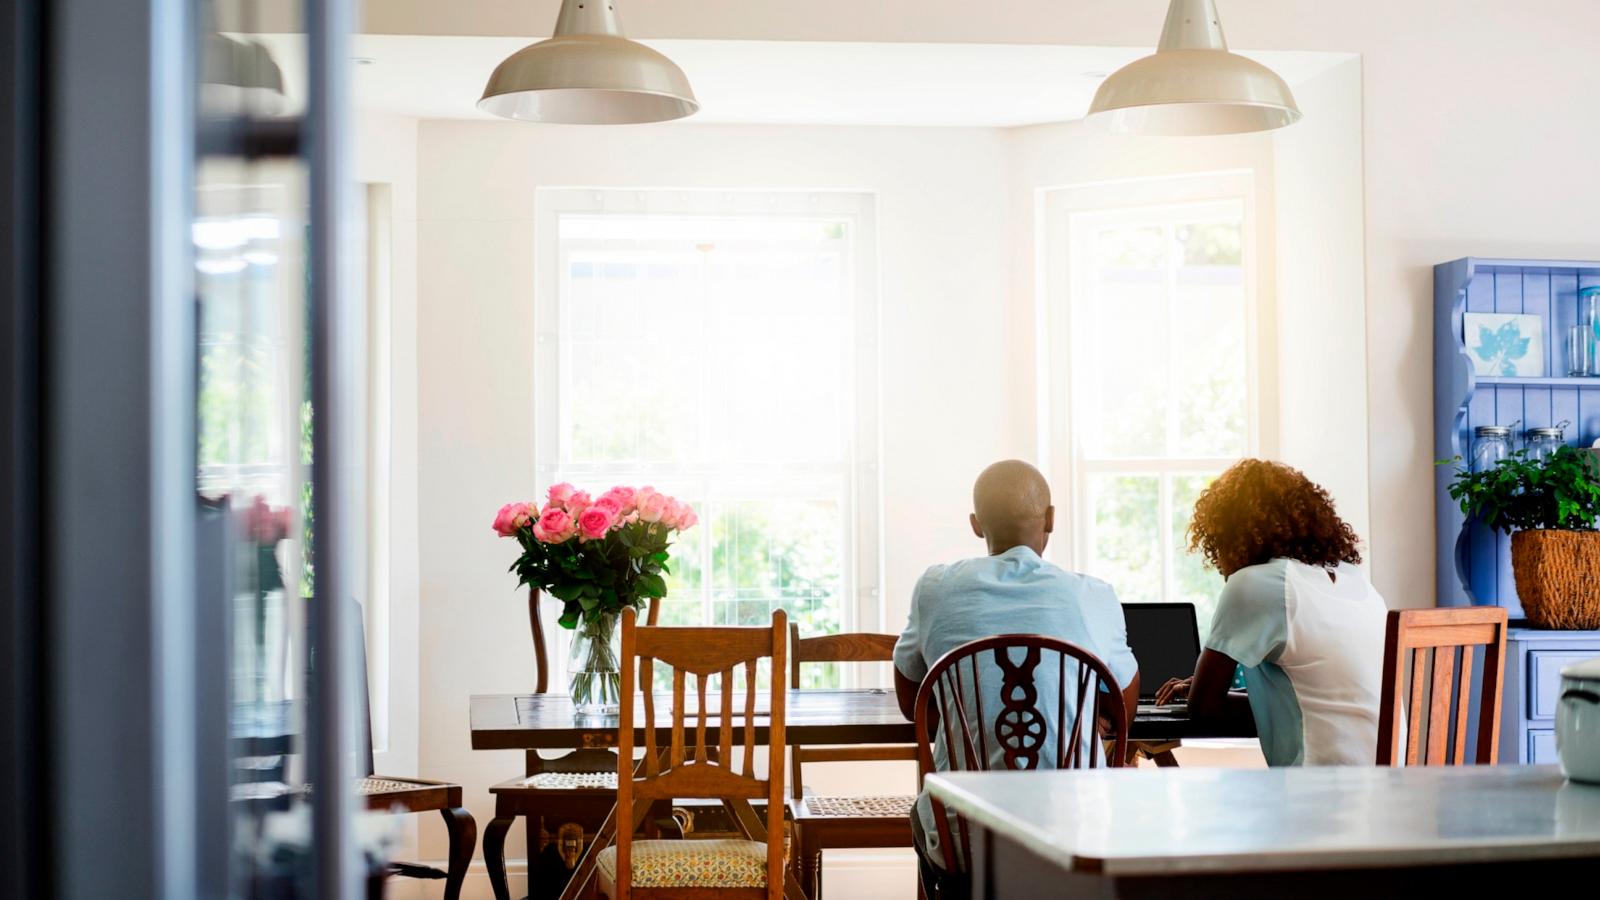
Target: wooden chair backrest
[
  {"x": 1443, "y": 642},
  {"x": 541, "y": 659},
  {"x": 1018, "y": 729},
  {"x": 834, "y": 648},
  {"x": 703, "y": 770}
]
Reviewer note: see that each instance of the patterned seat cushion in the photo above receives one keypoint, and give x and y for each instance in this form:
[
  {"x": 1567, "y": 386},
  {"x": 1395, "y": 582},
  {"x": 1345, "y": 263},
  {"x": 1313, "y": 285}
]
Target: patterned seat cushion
[{"x": 689, "y": 863}]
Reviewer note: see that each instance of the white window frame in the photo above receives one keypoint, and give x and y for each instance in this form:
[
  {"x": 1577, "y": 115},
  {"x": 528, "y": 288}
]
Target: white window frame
[
  {"x": 861, "y": 603},
  {"x": 1067, "y": 219}
]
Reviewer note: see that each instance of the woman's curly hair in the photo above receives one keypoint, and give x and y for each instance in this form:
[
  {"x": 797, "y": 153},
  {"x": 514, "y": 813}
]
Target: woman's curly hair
[{"x": 1259, "y": 510}]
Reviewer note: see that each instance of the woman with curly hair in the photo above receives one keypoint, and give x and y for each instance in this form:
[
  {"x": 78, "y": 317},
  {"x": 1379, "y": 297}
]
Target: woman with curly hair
[{"x": 1296, "y": 613}]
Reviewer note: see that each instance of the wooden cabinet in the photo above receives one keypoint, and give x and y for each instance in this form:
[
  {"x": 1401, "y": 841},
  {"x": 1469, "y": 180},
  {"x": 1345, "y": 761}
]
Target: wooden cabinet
[
  {"x": 1474, "y": 563},
  {"x": 1534, "y": 658}
]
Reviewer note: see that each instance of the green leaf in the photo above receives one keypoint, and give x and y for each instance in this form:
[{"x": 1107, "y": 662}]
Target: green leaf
[
  {"x": 566, "y": 591},
  {"x": 652, "y": 585}
]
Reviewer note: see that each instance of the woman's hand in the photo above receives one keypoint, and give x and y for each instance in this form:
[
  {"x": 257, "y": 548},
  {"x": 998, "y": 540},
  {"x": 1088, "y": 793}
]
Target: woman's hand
[{"x": 1175, "y": 689}]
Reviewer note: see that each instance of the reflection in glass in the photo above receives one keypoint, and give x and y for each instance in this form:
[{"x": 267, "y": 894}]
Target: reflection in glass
[{"x": 252, "y": 402}]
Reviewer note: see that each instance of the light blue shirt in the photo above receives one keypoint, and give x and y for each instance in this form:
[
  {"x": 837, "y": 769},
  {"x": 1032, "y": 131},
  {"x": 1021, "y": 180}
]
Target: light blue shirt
[{"x": 1015, "y": 592}]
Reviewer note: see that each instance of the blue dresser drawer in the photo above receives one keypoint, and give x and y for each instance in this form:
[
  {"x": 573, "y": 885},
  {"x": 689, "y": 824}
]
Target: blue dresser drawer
[
  {"x": 1544, "y": 679},
  {"x": 1542, "y": 747}
]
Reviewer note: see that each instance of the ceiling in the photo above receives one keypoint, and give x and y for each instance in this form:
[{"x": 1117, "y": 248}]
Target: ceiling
[{"x": 780, "y": 82}]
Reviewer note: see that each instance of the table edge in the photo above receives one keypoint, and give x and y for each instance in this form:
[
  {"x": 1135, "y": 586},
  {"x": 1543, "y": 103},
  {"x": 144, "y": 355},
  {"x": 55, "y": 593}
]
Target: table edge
[{"x": 999, "y": 821}]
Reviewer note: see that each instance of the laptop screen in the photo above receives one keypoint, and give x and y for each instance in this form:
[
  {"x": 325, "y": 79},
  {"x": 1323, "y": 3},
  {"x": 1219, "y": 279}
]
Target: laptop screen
[{"x": 1165, "y": 639}]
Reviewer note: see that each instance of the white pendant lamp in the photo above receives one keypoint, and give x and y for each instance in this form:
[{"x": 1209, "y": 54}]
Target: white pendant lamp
[
  {"x": 588, "y": 74},
  {"x": 1192, "y": 85}
]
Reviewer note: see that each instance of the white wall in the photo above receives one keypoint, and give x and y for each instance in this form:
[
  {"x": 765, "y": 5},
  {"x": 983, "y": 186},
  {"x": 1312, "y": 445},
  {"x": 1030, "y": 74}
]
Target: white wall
[
  {"x": 1322, "y": 323},
  {"x": 947, "y": 404},
  {"x": 386, "y": 153}
]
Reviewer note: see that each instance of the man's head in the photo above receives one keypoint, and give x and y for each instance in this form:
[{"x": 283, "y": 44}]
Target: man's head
[{"x": 1011, "y": 507}]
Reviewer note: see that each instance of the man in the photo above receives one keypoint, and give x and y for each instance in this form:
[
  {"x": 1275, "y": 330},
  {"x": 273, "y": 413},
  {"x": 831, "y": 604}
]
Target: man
[{"x": 1010, "y": 591}]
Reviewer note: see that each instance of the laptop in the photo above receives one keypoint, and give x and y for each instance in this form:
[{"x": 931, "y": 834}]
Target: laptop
[{"x": 1165, "y": 639}]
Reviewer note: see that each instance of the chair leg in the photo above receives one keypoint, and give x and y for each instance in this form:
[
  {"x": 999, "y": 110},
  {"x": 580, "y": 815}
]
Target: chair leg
[
  {"x": 463, "y": 830},
  {"x": 808, "y": 863},
  {"x": 814, "y": 863},
  {"x": 494, "y": 855}
]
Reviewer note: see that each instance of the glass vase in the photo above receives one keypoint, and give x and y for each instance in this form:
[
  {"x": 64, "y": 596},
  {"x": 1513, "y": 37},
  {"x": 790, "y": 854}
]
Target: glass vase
[{"x": 595, "y": 677}]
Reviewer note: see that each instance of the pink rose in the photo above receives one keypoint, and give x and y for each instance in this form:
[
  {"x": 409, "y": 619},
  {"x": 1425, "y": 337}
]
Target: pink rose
[
  {"x": 264, "y": 524},
  {"x": 687, "y": 519},
  {"x": 553, "y": 527},
  {"x": 576, "y": 503},
  {"x": 593, "y": 523},
  {"x": 512, "y": 517},
  {"x": 561, "y": 493},
  {"x": 625, "y": 496},
  {"x": 652, "y": 506},
  {"x": 609, "y": 504},
  {"x": 673, "y": 513}
]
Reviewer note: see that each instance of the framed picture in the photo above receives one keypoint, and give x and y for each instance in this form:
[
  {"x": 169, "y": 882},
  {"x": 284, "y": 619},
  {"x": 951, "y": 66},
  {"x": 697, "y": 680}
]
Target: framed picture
[{"x": 1505, "y": 343}]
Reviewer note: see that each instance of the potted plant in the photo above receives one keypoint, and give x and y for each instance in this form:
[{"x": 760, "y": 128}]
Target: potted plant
[
  {"x": 596, "y": 555},
  {"x": 1550, "y": 507}
]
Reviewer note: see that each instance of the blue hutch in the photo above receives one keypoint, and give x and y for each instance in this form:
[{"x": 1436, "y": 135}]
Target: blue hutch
[{"x": 1474, "y": 563}]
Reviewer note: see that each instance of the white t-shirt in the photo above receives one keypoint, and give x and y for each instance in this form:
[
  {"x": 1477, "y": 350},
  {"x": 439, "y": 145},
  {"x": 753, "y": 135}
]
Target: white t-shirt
[{"x": 1312, "y": 652}]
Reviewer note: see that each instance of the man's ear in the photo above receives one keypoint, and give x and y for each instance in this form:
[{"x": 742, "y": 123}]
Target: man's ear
[
  {"x": 1049, "y": 519},
  {"x": 976, "y": 528}
]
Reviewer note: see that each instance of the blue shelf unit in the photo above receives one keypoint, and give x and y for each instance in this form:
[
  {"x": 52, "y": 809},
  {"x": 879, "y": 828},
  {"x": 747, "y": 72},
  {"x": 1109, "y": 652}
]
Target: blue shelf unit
[{"x": 1474, "y": 563}]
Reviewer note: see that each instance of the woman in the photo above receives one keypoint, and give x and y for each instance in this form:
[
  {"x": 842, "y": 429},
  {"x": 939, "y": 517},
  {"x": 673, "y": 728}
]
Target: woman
[{"x": 1296, "y": 613}]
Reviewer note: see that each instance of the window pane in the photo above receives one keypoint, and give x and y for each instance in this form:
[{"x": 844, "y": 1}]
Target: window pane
[
  {"x": 714, "y": 357},
  {"x": 699, "y": 339},
  {"x": 1125, "y": 537},
  {"x": 1210, "y": 355},
  {"x": 1125, "y": 381},
  {"x": 630, "y": 363},
  {"x": 1193, "y": 581},
  {"x": 769, "y": 554},
  {"x": 685, "y": 600}
]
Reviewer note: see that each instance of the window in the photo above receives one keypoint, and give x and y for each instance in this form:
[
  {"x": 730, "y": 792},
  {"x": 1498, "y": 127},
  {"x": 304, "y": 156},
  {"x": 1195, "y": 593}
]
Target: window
[
  {"x": 1162, "y": 385},
  {"x": 722, "y": 348}
]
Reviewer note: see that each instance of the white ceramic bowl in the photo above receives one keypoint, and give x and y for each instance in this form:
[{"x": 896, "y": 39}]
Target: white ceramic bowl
[{"x": 1578, "y": 721}]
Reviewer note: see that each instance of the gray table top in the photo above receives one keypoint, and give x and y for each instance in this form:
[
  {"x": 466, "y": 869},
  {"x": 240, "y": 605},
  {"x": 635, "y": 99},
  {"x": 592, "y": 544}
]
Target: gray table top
[{"x": 1122, "y": 822}]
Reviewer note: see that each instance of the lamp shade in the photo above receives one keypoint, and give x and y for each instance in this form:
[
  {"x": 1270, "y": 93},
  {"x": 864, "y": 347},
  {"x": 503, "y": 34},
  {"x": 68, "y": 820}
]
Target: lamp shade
[
  {"x": 588, "y": 74},
  {"x": 1192, "y": 84},
  {"x": 238, "y": 78}
]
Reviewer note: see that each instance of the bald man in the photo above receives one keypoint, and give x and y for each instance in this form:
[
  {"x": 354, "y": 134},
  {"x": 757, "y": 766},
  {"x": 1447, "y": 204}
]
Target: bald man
[{"x": 1012, "y": 590}]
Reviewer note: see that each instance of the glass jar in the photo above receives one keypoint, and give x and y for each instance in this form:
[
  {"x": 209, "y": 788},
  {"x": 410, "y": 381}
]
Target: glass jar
[
  {"x": 1491, "y": 444},
  {"x": 1589, "y": 315},
  {"x": 1542, "y": 442}
]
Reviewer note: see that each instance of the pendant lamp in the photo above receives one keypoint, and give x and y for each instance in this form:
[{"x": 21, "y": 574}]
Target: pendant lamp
[
  {"x": 588, "y": 74},
  {"x": 1192, "y": 85},
  {"x": 239, "y": 77}
]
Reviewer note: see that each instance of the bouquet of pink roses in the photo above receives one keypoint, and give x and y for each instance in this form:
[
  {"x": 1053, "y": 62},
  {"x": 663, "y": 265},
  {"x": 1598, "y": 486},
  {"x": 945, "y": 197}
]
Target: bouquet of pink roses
[{"x": 595, "y": 554}]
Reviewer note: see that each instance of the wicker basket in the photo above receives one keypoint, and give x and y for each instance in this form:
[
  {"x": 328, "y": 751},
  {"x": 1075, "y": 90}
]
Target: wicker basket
[{"x": 1558, "y": 577}]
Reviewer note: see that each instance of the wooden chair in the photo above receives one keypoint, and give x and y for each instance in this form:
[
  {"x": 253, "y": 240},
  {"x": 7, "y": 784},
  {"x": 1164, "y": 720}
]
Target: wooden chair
[
  {"x": 984, "y": 722},
  {"x": 391, "y": 793},
  {"x": 693, "y": 869},
  {"x": 1434, "y": 639},
  {"x": 823, "y": 823},
  {"x": 569, "y": 796}
]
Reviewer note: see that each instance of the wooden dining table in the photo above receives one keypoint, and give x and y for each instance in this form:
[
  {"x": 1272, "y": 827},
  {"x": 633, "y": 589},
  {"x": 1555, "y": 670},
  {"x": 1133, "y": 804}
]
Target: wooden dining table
[{"x": 813, "y": 717}]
